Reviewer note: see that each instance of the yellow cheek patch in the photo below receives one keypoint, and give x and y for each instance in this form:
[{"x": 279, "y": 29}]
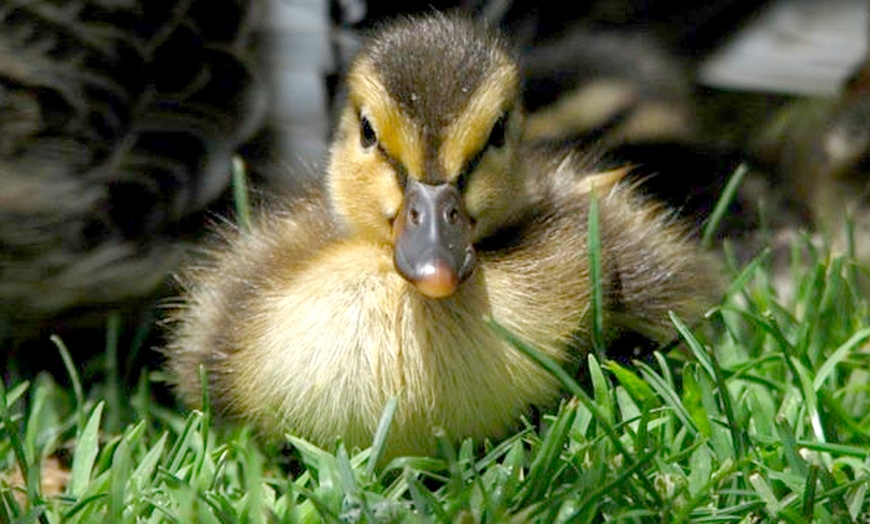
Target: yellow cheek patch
[
  {"x": 467, "y": 135},
  {"x": 397, "y": 134},
  {"x": 362, "y": 184}
]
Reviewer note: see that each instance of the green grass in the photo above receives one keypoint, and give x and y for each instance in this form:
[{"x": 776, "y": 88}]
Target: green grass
[
  {"x": 761, "y": 415},
  {"x": 768, "y": 420}
]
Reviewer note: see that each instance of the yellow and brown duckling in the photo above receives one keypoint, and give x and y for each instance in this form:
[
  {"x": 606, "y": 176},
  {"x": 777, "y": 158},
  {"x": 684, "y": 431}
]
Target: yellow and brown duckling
[{"x": 435, "y": 217}]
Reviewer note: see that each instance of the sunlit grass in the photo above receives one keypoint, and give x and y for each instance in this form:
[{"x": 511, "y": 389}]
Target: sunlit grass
[{"x": 768, "y": 421}]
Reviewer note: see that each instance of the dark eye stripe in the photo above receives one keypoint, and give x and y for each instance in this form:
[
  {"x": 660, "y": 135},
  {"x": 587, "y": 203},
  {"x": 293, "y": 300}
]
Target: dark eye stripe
[
  {"x": 398, "y": 167},
  {"x": 470, "y": 166},
  {"x": 496, "y": 139}
]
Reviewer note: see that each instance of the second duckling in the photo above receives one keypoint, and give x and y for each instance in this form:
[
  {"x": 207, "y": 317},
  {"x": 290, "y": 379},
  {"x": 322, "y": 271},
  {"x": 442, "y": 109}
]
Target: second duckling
[{"x": 435, "y": 217}]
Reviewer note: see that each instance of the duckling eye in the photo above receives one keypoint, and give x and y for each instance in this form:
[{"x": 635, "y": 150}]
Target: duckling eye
[
  {"x": 367, "y": 135},
  {"x": 497, "y": 135}
]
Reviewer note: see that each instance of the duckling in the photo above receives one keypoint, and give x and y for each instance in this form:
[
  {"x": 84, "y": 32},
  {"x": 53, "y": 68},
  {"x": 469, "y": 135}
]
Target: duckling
[
  {"x": 818, "y": 149},
  {"x": 117, "y": 127},
  {"x": 435, "y": 216}
]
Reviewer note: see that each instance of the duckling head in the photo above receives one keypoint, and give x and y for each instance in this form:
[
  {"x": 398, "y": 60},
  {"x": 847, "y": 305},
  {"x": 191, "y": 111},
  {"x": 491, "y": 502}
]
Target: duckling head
[{"x": 426, "y": 154}]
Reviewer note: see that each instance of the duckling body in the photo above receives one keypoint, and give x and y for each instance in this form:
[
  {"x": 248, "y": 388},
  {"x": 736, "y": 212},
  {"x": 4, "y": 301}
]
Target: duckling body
[{"x": 435, "y": 219}]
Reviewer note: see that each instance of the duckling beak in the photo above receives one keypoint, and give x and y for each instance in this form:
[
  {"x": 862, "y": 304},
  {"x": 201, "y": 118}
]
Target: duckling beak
[{"x": 432, "y": 239}]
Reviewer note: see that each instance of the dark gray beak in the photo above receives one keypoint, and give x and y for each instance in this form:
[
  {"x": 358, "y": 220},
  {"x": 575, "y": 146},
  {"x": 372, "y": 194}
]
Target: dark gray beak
[{"x": 432, "y": 239}]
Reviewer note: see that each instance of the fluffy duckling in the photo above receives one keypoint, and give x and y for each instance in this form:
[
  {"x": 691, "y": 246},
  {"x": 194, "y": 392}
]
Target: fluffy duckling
[
  {"x": 434, "y": 218},
  {"x": 818, "y": 151},
  {"x": 117, "y": 126}
]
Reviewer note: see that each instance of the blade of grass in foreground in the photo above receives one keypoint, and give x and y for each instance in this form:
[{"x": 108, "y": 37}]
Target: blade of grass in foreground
[
  {"x": 240, "y": 194},
  {"x": 74, "y": 379},
  {"x": 574, "y": 388},
  {"x": 721, "y": 207},
  {"x": 711, "y": 366},
  {"x": 113, "y": 372},
  {"x": 31, "y": 478},
  {"x": 593, "y": 246},
  {"x": 87, "y": 448},
  {"x": 379, "y": 442},
  {"x": 827, "y": 367},
  {"x": 546, "y": 461}
]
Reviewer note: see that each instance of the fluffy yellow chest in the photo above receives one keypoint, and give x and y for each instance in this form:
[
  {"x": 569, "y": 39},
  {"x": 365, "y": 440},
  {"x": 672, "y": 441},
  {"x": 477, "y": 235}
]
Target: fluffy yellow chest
[{"x": 329, "y": 348}]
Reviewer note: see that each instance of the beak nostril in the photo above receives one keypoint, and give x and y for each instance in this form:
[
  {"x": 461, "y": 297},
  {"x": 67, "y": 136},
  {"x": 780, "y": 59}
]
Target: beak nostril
[{"x": 432, "y": 248}]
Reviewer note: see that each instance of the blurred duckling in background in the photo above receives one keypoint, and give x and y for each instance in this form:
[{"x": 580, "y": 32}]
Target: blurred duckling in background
[
  {"x": 117, "y": 126},
  {"x": 819, "y": 148},
  {"x": 435, "y": 217}
]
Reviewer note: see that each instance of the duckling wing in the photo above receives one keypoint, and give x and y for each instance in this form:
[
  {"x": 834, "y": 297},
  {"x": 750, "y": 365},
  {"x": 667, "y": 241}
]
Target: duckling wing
[
  {"x": 294, "y": 323},
  {"x": 650, "y": 263}
]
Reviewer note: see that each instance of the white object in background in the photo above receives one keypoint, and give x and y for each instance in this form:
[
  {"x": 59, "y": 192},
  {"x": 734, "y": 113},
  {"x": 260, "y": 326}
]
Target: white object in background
[
  {"x": 299, "y": 57},
  {"x": 800, "y": 47}
]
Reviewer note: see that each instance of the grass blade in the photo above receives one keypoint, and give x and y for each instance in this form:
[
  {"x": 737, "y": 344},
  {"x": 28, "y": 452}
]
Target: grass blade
[
  {"x": 571, "y": 385},
  {"x": 727, "y": 196},
  {"x": 148, "y": 464},
  {"x": 593, "y": 245},
  {"x": 113, "y": 373},
  {"x": 380, "y": 439},
  {"x": 838, "y": 356},
  {"x": 240, "y": 194},
  {"x": 73, "y": 375},
  {"x": 87, "y": 448}
]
